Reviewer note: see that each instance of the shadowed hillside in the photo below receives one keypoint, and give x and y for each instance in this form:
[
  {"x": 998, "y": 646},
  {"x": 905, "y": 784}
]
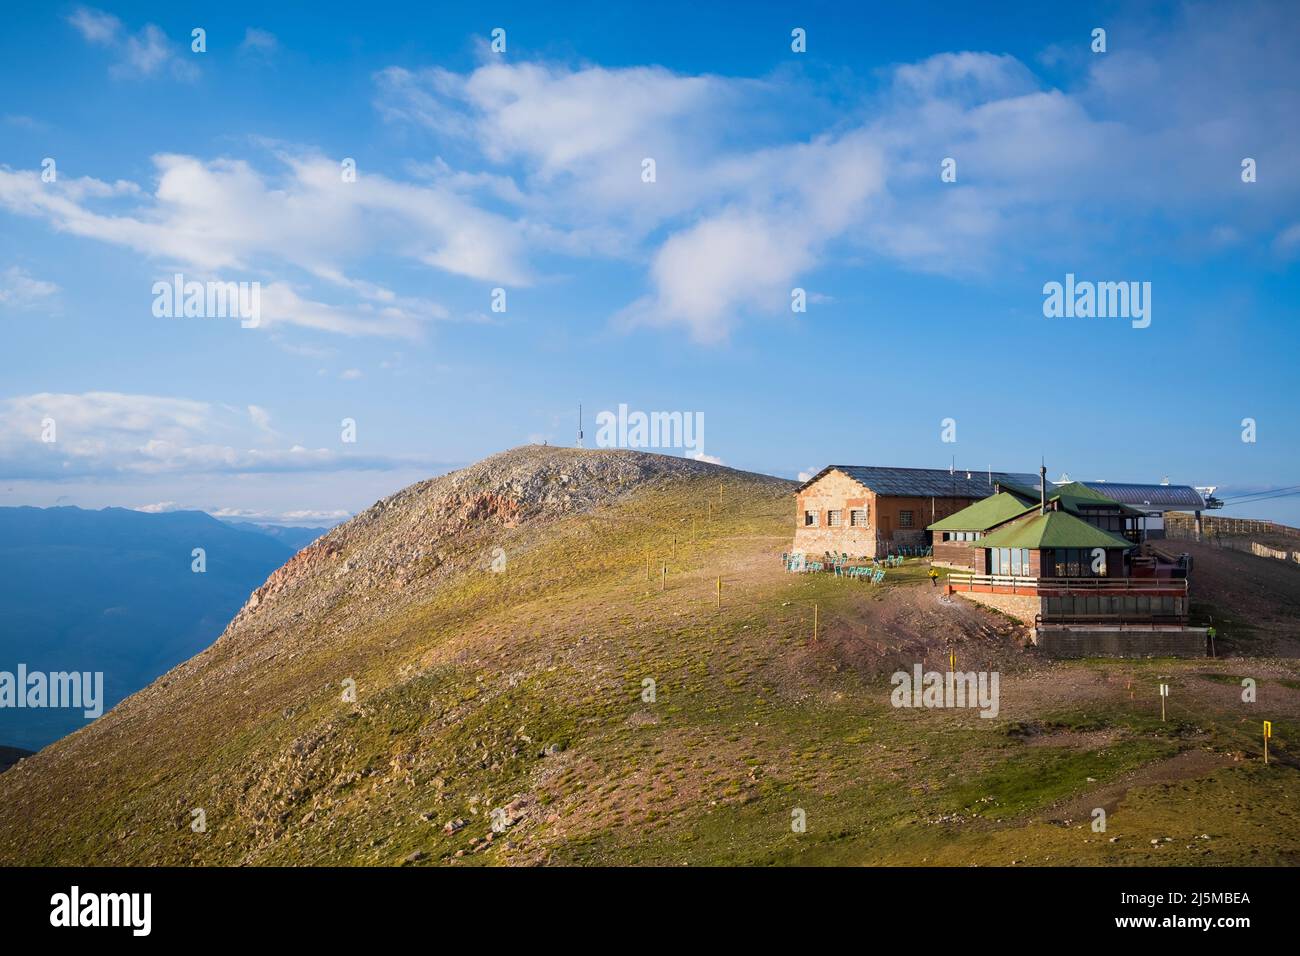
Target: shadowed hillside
[
  {"x": 504, "y": 627},
  {"x": 115, "y": 591}
]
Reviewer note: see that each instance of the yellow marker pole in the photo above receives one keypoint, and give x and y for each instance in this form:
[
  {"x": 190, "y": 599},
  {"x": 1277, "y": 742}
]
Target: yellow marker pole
[
  {"x": 719, "y": 591},
  {"x": 952, "y": 661},
  {"x": 1268, "y": 732},
  {"x": 692, "y": 529},
  {"x": 814, "y": 622},
  {"x": 663, "y": 580}
]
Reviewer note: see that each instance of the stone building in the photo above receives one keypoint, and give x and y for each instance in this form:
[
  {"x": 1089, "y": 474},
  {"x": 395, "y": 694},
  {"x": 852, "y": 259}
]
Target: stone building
[{"x": 865, "y": 511}]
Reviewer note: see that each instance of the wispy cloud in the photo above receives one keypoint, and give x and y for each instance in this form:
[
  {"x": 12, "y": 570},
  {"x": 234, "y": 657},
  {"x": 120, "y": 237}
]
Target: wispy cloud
[
  {"x": 530, "y": 161},
  {"x": 145, "y": 53},
  {"x": 112, "y": 433},
  {"x": 259, "y": 43},
  {"x": 734, "y": 219},
  {"x": 225, "y": 216},
  {"x": 20, "y": 290}
]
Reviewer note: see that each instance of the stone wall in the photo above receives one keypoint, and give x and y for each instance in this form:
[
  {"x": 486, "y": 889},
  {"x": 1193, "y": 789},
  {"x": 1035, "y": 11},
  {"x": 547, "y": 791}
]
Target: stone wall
[
  {"x": 837, "y": 491},
  {"x": 1098, "y": 640},
  {"x": 1023, "y": 607}
]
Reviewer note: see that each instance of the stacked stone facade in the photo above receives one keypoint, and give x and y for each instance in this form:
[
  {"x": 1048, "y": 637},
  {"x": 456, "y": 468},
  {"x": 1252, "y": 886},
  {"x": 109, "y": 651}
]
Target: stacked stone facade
[{"x": 892, "y": 521}]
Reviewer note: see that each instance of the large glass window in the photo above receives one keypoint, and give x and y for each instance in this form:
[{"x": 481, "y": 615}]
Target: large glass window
[
  {"x": 1078, "y": 563},
  {"x": 1010, "y": 561}
]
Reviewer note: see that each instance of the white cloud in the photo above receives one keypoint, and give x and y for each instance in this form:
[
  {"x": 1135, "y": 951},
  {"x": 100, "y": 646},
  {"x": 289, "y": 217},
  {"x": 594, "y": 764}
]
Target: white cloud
[
  {"x": 145, "y": 53},
  {"x": 159, "y": 507},
  {"x": 112, "y": 433},
  {"x": 742, "y": 218},
  {"x": 307, "y": 515},
  {"x": 259, "y": 42},
  {"x": 1287, "y": 242},
  {"x": 734, "y": 218},
  {"x": 748, "y": 257},
  {"x": 261, "y": 419},
  {"x": 96, "y": 26},
  {"x": 350, "y": 374},
  {"x": 286, "y": 517},
  {"x": 549, "y": 161},
  {"x": 967, "y": 76},
  {"x": 23, "y": 121},
  {"x": 20, "y": 290},
  {"x": 225, "y": 217}
]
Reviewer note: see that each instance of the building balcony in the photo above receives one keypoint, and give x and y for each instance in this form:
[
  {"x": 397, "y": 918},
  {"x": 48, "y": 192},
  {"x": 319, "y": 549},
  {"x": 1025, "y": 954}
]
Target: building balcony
[
  {"x": 1112, "y": 601},
  {"x": 1058, "y": 587}
]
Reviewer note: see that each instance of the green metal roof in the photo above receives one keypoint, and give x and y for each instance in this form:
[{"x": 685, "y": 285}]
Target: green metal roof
[
  {"x": 1076, "y": 495},
  {"x": 1010, "y": 504},
  {"x": 1077, "y": 489},
  {"x": 1056, "y": 529},
  {"x": 983, "y": 515}
]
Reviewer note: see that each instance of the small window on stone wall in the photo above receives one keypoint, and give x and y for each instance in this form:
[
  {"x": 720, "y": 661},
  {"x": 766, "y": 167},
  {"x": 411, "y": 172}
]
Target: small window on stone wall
[
  {"x": 858, "y": 518},
  {"x": 809, "y": 519},
  {"x": 905, "y": 519},
  {"x": 833, "y": 518}
]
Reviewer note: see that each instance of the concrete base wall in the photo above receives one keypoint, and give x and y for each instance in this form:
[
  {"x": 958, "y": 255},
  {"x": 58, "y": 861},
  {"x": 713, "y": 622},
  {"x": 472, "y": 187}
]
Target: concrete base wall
[
  {"x": 1085, "y": 640},
  {"x": 1022, "y": 607}
]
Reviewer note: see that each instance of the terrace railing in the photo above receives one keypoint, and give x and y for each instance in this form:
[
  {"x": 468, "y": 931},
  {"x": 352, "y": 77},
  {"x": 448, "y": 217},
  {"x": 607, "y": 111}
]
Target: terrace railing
[{"x": 1013, "y": 584}]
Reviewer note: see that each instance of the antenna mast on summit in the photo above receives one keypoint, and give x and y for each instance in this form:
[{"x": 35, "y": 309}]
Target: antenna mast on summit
[{"x": 579, "y": 424}]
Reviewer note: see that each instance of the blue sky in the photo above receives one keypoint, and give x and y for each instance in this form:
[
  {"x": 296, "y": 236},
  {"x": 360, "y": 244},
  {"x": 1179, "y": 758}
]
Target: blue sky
[{"x": 522, "y": 170}]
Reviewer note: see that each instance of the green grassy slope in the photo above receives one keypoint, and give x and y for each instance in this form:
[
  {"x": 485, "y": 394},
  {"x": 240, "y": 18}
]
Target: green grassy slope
[{"x": 521, "y": 692}]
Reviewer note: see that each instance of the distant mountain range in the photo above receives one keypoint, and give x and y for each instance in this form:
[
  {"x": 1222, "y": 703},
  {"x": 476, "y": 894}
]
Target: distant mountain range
[
  {"x": 114, "y": 591},
  {"x": 295, "y": 538}
]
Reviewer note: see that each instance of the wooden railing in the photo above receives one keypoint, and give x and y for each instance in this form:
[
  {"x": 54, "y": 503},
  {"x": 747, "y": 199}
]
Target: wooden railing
[{"x": 1012, "y": 584}]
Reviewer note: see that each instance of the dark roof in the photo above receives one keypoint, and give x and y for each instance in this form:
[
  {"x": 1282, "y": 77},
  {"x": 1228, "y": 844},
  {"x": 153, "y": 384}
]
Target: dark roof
[
  {"x": 1056, "y": 529},
  {"x": 927, "y": 482},
  {"x": 1076, "y": 496},
  {"x": 1020, "y": 491},
  {"x": 1150, "y": 497}
]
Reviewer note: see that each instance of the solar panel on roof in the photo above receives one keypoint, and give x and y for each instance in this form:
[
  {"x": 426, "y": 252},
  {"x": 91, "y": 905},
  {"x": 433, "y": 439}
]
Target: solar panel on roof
[
  {"x": 931, "y": 482},
  {"x": 942, "y": 483}
]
